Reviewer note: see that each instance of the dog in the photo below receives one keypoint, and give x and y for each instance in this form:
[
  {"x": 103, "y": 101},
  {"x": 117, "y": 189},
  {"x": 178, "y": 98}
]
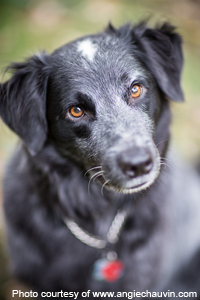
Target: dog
[{"x": 93, "y": 199}]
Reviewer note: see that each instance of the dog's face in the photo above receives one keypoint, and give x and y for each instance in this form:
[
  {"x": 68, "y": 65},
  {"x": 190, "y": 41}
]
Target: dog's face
[
  {"x": 102, "y": 107},
  {"x": 104, "y": 98}
]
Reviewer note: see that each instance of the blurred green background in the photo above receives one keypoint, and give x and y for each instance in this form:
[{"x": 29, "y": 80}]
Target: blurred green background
[{"x": 27, "y": 26}]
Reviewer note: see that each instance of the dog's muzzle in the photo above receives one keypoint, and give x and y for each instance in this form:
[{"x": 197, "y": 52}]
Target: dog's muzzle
[{"x": 130, "y": 167}]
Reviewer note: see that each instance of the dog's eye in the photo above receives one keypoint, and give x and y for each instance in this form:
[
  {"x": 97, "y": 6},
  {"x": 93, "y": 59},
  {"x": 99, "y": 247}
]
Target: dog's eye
[
  {"x": 136, "y": 91},
  {"x": 76, "y": 111}
]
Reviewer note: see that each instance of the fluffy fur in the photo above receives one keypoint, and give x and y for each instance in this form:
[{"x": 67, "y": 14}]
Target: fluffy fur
[{"x": 111, "y": 157}]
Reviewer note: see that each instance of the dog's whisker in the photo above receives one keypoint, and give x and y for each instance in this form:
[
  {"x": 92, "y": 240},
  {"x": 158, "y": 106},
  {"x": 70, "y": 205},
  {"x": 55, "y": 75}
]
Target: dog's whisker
[
  {"x": 94, "y": 168},
  {"x": 98, "y": 176},
  {"x": 165, "y": 164},
  {"x": 104, "y": 186},
  {"x": 165, "y": 158},
  {"x": 162, "y": 142},
  {"x": 162, "y": 160},
  {"x": 94, "y": 176}
]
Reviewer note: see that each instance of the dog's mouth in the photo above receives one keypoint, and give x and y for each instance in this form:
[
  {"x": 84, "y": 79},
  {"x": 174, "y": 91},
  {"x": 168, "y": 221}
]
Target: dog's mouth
[
  {"x": 136, "y": 188},
  {"x": 129, "y": 190}
]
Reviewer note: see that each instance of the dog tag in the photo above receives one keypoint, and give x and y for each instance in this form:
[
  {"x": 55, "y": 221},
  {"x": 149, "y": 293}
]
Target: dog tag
[{"x": 108, "y": 269}]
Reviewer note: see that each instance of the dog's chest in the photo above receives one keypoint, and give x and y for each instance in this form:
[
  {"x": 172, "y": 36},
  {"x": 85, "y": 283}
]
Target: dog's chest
[{"x": 87, "y": 261}]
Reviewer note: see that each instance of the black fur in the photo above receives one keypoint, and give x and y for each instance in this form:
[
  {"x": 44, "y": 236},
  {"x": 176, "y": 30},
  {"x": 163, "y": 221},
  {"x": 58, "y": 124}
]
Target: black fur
[{"x": 47, "y": 177}]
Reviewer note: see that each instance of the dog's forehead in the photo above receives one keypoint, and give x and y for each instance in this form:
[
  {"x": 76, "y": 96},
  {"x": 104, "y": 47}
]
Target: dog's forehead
[
  {"x": 98, "y": 63},
  {"x": 87, "y": 48},
  {"x": 95, "y": 48},
  {"x": 91, "y": 52}
]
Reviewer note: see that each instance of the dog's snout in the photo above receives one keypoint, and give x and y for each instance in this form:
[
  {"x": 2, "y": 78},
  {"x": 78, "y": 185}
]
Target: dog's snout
[{"x": 135, "y": 162}]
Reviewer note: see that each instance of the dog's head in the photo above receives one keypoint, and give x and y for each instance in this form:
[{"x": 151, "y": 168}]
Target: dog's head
[{"x": 102, "y": 101}]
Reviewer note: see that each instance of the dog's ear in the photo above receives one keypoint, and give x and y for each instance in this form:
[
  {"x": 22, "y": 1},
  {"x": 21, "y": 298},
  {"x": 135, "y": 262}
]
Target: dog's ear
[
  {"x": 160, "y": 50},
  {"x": 23, "y": 101}
]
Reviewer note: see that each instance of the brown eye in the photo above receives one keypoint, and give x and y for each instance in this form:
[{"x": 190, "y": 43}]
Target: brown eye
[
  {"x": 76, "y": 111},
  {"x": 136, "y": 91}
]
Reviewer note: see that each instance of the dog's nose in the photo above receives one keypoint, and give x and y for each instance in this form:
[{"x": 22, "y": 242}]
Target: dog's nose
[{"x": 135, "y": 162}]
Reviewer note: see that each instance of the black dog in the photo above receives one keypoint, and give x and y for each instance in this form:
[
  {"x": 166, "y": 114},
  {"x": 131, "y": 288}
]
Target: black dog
[{"x": 90, "y": 204}]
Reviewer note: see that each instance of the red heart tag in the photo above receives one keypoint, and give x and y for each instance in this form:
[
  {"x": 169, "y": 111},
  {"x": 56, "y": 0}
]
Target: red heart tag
[
  {"x": 113, "y": 270},
  {"x": 108, "y": 270}
]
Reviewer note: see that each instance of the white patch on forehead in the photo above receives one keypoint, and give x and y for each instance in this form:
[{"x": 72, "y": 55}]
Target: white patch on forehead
[{"x": 87, "y": 48}]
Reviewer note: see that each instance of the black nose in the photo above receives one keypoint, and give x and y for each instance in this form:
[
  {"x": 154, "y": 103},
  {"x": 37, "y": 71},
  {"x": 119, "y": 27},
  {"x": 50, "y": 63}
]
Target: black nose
[{"x": 135, "y": 162}]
